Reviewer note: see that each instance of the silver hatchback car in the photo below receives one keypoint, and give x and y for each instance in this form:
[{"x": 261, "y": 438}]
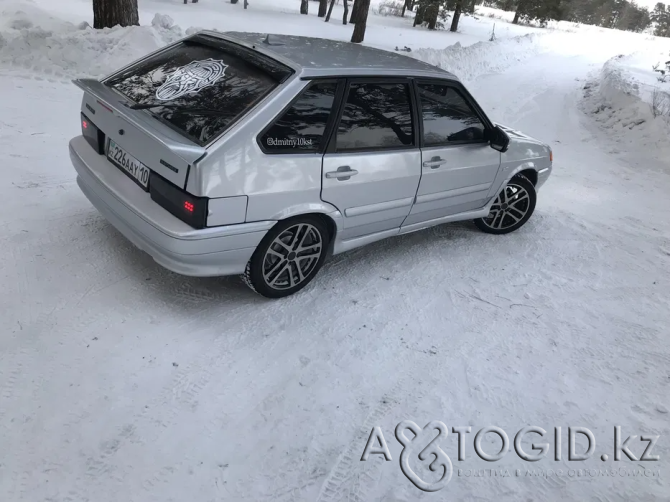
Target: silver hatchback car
[{"x": 261, "y": 155}]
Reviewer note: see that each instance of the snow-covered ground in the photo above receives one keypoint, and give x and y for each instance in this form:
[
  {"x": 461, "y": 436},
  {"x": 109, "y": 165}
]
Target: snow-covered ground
[{"x": 120, "y": 381}]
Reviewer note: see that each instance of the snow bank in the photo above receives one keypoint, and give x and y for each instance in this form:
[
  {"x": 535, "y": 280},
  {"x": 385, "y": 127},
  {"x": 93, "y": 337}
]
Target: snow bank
[
  {"x": 627, "y": 99},
  {"x": 32, "y": 39},
  {"x": 481, "y": 58}
]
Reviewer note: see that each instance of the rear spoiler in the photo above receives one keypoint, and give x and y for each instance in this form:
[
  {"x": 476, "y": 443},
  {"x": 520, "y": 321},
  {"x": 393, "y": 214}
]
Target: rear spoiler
[{"x": 114, "y": 102}]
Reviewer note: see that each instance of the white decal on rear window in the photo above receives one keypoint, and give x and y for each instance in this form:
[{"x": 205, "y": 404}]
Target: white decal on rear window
[{"x": 191, "y": 78}]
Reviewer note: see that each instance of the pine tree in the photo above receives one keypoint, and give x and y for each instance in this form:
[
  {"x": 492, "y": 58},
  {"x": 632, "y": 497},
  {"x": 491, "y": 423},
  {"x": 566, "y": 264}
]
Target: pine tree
[
  {"x": 661, "y": 17},
  {"x": 361, "y": 20},
  {"x": 330, "y": 10},
  {"x": 355, "y": 11},
  {"x": 537, "y": 10},
  {"x": 323, "y": 7},
  {"x": 429, "y": 11},
  {"x": 457, "y": 15},
  {"x": 109, "y": 13}
]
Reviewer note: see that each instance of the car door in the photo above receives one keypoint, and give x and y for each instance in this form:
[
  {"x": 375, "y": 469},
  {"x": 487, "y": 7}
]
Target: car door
[
  {"x": 371, "y": 169},
  {"x": 458, "y": 165}
]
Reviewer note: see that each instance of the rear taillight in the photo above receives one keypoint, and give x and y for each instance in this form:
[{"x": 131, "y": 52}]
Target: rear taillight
[
  {"x": 94, "y": 136},
  {"x": 186, "y": 207}
]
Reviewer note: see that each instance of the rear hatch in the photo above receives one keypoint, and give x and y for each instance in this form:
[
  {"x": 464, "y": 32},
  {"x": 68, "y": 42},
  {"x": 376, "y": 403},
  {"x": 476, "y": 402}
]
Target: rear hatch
[{"x": 160, "y": 113}]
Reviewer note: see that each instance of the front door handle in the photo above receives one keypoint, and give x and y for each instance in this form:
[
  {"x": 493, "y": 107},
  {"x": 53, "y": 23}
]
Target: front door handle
[
  {"x": 435, "y": 162},
  {"x": 343, "y": 173}
]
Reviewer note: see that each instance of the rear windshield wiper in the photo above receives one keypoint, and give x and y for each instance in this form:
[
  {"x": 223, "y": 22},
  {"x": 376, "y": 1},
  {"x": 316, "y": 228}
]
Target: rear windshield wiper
[{"x": 177, "y": 108}]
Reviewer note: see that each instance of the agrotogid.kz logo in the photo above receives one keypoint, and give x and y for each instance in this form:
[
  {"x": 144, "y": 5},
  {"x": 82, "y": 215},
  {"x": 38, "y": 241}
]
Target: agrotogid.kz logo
[
  {"x": 191, "y": 78},
  {"x": 425, "y": 446}
]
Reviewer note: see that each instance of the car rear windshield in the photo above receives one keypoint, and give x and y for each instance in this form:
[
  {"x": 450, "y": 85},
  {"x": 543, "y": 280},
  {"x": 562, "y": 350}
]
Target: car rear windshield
[{"x": 202, "y": 85}]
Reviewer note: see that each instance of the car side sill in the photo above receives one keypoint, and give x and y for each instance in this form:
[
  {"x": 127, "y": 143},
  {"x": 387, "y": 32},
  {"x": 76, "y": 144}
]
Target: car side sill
[
  {"x": 467, "y": 215},
  {"x": 343, "y": 246}
]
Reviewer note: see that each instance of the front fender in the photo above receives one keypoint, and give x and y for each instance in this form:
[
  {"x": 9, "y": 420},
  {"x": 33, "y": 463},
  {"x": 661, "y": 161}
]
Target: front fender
[{"x": 524, "y": 153}]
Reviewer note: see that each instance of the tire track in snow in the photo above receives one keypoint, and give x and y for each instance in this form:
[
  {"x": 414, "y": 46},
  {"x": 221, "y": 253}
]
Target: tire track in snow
[
  {"x": 350, "y": 479},
  {"x": 182, "y": 390},
  {"x": 343, "y": 482}
]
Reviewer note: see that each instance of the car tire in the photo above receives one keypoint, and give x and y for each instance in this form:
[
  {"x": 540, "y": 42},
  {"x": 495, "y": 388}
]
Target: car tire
[
  {"x": 289, "y": 257},
  {"x": 512, "y": 208}
]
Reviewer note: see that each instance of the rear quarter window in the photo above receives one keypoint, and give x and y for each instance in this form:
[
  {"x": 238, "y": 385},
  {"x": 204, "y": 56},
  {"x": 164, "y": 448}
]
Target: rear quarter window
[
  {"x": 300, "y": 129},
  {"x": 201, "y": 89}
]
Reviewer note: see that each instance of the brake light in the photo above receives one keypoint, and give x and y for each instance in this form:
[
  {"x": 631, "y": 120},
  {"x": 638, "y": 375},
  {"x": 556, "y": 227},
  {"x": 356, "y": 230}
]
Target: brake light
[
  {"x": 183, "y": 205},
  {"x": 94, "y": 136}
]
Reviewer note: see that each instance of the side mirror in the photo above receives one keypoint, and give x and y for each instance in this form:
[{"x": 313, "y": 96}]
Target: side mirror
[{"x": 498, "y": 139}]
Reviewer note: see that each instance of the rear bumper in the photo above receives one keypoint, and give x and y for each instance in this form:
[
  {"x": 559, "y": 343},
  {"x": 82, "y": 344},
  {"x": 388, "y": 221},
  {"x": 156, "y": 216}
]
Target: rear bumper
[{"x": 215, "y": 251}]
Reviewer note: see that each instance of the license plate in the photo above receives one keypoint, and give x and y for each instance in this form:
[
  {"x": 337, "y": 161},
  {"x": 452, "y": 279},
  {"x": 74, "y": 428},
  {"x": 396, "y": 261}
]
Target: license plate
[{"x": 137, "y": 171}]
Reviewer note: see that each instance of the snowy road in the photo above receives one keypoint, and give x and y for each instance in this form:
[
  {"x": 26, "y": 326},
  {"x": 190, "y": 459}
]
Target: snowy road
[{"x": 121, "y": 381}]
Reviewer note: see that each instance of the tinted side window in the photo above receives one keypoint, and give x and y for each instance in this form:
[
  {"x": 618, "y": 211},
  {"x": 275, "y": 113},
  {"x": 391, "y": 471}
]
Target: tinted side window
[
  {"x": 447, "y": 117},
  {"x": 376, "y": 116},
  {"x": 301, "y": 127}
]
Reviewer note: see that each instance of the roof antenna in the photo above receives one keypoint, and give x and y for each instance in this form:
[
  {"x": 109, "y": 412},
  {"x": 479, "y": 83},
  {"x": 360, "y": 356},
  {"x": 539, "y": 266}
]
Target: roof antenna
[{"x": 267, "y": 41}]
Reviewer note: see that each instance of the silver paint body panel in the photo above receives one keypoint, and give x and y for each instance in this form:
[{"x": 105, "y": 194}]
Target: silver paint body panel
[
  {"x": 173, "y": 244},
  {"x": 379, "y": 197},
  {"x": 392, "y": 192}
]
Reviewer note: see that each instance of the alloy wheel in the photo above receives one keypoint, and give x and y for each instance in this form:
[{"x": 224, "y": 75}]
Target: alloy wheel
[
  {"x": 292, "y": 256},
  {"x": 509, "y": 208}
]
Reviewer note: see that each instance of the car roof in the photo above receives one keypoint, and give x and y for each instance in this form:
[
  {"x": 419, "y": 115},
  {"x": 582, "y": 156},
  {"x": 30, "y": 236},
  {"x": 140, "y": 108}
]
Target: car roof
[{"x": 312, "y": 56}]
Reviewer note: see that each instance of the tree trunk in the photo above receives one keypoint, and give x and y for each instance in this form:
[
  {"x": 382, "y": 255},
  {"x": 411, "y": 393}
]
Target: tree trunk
[
  {"x": 520, "y": 9},
  {"x": 359, "y": 30},
  {"x": 346, "y": 12},
  {"x": 323, "y": 7},
  {"x": 355, "y": 11},
  {"x": 330, "y": 10},
  {"x": 457, "y": 15},
  {"x": 431, "y": 16},
  {"x": 304, "y": 6},
  {"x": 418, "y": 17},
  {"x": 109, "y": 13}
]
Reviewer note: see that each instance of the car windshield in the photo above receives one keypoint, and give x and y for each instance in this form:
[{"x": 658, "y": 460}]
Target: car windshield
[{"x": 201, "y": 86}]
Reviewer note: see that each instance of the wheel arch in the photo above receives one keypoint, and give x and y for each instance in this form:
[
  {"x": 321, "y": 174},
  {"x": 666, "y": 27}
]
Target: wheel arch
[
  {"x": 527, "y": 169},
  {"x": 327, "y": 213},
  {"x": 255, "y": 264},
  {"x": 529, "y": 173}
]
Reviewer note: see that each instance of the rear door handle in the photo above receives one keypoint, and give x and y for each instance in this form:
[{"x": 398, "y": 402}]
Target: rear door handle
[
  {"x": 434, "y": 163},
  {"x": 343, "y": 173}
]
